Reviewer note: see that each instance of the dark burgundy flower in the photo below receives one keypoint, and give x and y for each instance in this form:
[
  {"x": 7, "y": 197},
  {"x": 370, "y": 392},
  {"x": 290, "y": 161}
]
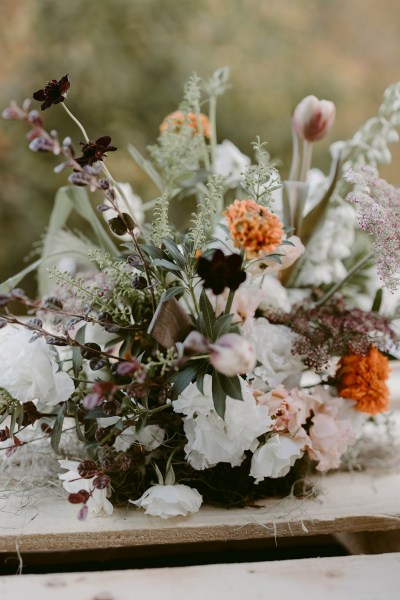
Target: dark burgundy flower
[
  {"x": 221, "y": 271},
  {"x": 94, "y": 151},
  {"x": 54, "y": 92}
]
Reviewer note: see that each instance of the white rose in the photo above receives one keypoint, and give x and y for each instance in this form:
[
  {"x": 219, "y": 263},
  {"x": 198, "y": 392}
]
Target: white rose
[
  {"x": 150, "y": 437},
  {"x": 232, "y": 354},
  {"x": 276, "y": 457},
  {"x": 273, "y": 344},
  {"x": 29, "y": 371},
  {"x": 73, "y": 483},
  {"x": 212, "y": 440},
  {"x": 169, "y": 501}
]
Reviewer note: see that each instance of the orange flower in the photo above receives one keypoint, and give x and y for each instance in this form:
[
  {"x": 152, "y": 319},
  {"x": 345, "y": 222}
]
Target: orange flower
[
  {"x": 176, "y": 119},
  {"x": 363, "y": 379},
  {"x": 253, "y": 227}
]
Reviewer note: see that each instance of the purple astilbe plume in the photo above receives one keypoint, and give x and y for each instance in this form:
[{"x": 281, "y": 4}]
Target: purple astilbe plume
[
  {"x": 378, "y": 205},
  {"x": 333, "y": 330}
]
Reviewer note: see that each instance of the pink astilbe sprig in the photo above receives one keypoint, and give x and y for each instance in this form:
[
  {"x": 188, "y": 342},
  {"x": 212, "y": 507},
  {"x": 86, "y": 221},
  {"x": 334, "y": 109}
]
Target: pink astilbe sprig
[{"x": 378, "y": 205}]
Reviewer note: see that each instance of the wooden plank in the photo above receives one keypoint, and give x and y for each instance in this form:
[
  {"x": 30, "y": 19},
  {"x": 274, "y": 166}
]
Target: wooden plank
[
  {"x": 339, "y": 578},
  {"x": 43, "y": 521}
]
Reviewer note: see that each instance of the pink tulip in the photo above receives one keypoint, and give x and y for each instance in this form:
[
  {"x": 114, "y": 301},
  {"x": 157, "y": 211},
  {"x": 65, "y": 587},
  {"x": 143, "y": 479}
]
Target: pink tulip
[
  {"x": 232, "y": 355},
  {"x": 313, "y": 118}
]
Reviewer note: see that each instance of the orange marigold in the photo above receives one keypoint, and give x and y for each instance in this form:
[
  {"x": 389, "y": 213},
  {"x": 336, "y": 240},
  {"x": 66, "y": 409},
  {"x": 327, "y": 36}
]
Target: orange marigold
[
  {"x": 363, "y": 379},
  {"x": 253, "y": 227},
  {"x": 177, "y": 118}
]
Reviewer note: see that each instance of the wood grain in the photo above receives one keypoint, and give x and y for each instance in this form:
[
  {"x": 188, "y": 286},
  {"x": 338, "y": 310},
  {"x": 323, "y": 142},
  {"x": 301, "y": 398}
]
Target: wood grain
[
  {"x": 347, "y": 502},
  {"x": 339, "y": 578}
]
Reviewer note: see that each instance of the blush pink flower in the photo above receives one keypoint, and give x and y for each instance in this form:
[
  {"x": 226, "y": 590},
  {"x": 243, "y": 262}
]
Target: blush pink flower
[
  {"x": 313, "y": 118},
  {"x": 232, "y": 354}
]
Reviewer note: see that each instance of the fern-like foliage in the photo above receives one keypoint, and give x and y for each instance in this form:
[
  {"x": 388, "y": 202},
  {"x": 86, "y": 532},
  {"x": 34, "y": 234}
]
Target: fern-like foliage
[
  {"x": 201, "y": 222},
  {"x": 261, "y": 179},
  {"x": 161, "y": 227}
]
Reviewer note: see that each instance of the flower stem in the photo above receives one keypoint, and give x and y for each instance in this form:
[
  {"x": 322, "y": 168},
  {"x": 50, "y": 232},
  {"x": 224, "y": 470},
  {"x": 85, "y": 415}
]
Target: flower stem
[
  {"x": 294, "y": 167},
  {"x": 306, "y": 159},
  {"x": 213, "y": 130},
  {"x": 81, "y": 127},
  {"x": 229, "y": 302},
  {"x": 350, "y": 274}
]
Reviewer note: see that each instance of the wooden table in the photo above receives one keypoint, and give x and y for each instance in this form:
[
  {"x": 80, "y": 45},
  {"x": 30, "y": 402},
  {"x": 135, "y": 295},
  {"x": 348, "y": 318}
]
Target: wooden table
[{"x": 340, "y": 578}]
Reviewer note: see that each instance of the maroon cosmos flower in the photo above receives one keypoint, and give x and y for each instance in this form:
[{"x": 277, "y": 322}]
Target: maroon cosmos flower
[
  {"x": 94, "y": 151},
  {"x": 221, "y": 271},
  {"x": 54, "y": 92}
]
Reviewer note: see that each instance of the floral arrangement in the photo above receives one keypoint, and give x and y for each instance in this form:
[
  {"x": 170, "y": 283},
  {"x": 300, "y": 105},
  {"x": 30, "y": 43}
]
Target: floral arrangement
[{"x": 221, "y": 362}]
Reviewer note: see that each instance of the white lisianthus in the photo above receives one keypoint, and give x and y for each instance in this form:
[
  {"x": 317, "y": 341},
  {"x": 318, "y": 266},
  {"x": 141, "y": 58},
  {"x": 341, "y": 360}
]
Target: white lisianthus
[
  {"x": 274, "y": 294},
  {"x": 212, "y": 440},
  {"x": 232, "y": 354},
  {"x": 276, "y": 457},
  {"x": 29, "y": 371},
  {"x": 328, "y": 247},
  {"x": 230, "y": 163},
  {"x": 74, "y": 483},
  {"x": 273, "y": 344},
  {"x": 150, "y": 437},
  {"x": 169, "y": 501}
]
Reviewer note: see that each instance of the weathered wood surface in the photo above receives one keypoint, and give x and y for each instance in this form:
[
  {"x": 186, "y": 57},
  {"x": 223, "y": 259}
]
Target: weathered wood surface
[
  {"x": 347, "y": 502},
  {"x": 339, "y": 578}
]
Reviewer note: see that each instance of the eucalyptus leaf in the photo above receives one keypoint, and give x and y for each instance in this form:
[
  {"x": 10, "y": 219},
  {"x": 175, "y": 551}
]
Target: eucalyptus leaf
[
  {"x": 57, "y": 430},
  {"x": 208, "y": 314},
  {"x": 231, "y": 386},
  {"x": 183, "y": 378},
  {"x": 147, "y": 166},
  {"x": 173, "y": 291},
  {"x": 219, "y": 395},
  {"x": 174, "y": 252},
  {"x": 222, "y": 325}
]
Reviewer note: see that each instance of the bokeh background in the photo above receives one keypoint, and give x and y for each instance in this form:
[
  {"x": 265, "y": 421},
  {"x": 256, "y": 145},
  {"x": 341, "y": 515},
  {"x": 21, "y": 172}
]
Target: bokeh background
[{"x": 128, "y": 61}]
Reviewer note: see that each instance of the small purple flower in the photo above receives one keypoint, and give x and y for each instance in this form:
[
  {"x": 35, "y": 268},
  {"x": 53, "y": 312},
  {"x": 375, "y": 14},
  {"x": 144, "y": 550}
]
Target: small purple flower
[{"x": 54, "y": 92}]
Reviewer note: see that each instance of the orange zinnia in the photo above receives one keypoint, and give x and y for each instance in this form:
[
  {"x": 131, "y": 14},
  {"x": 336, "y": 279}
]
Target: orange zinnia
[
  {"x": 363, "y": 379},
  {"x": 176, "y": 119},
  {"x": 253, "y": 227}
]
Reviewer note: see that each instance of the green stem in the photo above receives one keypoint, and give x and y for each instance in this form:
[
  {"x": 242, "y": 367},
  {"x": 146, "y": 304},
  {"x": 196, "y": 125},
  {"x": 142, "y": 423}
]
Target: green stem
[
  {"x": 81, "y": 127},
  {"x": 306, "y": 160},
  {"x": 229, "y": 302},
  {"x": 294, "y": 167},
  {"x": 350, "y": 274},
  {"x": 213, "y": 132}
]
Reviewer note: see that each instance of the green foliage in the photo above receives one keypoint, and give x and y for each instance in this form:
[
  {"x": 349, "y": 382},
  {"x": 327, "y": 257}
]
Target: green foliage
[
  {"x": 161, "y": 227},
  {"x": 202, "y": 221},
  {"x": 261, "y": 179}
]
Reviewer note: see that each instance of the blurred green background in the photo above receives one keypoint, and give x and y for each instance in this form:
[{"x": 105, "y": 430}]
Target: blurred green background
[{"x": 128, "y": 61}]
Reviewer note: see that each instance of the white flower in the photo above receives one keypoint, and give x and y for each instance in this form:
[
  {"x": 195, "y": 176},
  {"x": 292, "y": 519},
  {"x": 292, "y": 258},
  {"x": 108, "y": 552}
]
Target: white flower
[
  {"x": 328, "y": 247},
  {"x": 29, "y": 371},
  {"x": 230, "y": 163},
  {"x": 232, "y": 354},
  {"x": 276, "y": 457},
  {"x": 274, "y": 294},
  {"x": 212, "y": 440},
  {"x": 73, "y": 483},
  {"x": 169, "y": 501},
  {"x": 273, "y": 344},
  {"x": 150, "y": 437}
]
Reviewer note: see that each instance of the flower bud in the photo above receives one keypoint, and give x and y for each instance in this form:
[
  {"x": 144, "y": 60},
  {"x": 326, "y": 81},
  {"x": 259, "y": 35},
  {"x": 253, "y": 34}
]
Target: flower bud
[
  {"x": 232, "y": 355},
  {"x": 313, "y": 118}
]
